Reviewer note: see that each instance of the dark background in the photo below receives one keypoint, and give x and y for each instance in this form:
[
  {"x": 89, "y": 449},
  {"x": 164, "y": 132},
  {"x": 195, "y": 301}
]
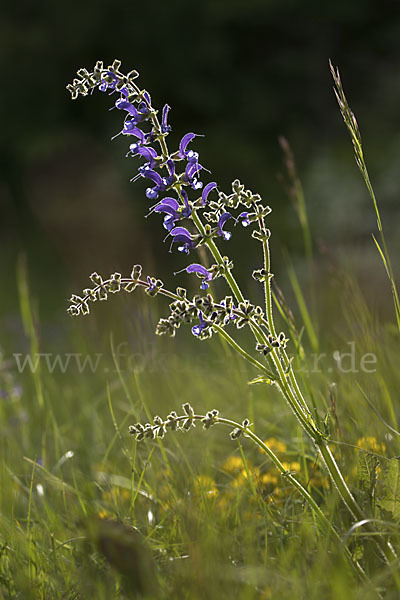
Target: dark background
[{"x": 242, "y": 73}]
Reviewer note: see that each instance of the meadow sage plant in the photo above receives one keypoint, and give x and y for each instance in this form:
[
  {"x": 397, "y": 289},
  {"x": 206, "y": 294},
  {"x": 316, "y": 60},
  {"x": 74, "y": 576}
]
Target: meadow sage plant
[{"x": 196, "y": 213}]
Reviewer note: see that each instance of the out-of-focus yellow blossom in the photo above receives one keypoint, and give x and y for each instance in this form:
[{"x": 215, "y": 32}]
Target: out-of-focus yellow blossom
[
  {"x": 104, "y": 514},
  {"x": 232, "y": 464},
  {"x": 292, "y": 466},
  {"x": 275, "y": 445},
  {"x": 241, "y": 478},
  {"x": 269, "y": 479},
  {"x": 371, "y": 443},
  {"x": 205, "y": 485}
]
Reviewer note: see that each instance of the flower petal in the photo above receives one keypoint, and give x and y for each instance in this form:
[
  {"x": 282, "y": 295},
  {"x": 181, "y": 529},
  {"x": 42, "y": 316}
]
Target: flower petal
[
  {"x": 130, "y": 129},
  {"x": 153, "y": 175},
  {"x": 168, "y": 202},
  {"x": 197, "y": 329},
  {"x": 164, "y": 125},
  {"x": 148, "y": 153},
  {"x": 184, "y": 142},
  {"x": 182, "y": 232},
  {"x": 210, "y": 186},
  {"x": 223, "y": 219},
  {"x": 123, "y": 104},
  {"x": 196, "y": 268}
]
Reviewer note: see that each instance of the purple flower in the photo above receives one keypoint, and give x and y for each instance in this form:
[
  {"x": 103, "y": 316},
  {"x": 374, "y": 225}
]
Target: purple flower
[
  {"x": 184, "y": 143},
  {"x": 222, "y": 220},
  {"x": 131, "y": 129},
  {"x": 187, "y": 211},
  {"x": 143, "y": 109},
  {"x": 161, "y": 184},
  {"x": 105, "y": 84},
  {"x": 137, "y": 115},
  {"x": 142, "y": 138},
  {"x": 197, "y": 329},
  {"x": 165, "y": 128},
  {"x": 191, "y": 171},
  {"x": 180, "y": 234},
  {"x": 170, "y": 207},
  {"x": 171, "y": 168},
  {"x": 124, "y": 104},
  {"x": 230, "y": 316},
  {"x": 152, "y": 284},
  {"x": 206, "y": 191},
  {"x": 202, "y": 271},
  {"x": 245, "y": 218},
  {"x": 150, "y": 155}
]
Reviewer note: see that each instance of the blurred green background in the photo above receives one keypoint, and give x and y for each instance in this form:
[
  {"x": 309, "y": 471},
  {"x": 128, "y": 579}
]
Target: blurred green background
[{"x": 242, "y": 73}]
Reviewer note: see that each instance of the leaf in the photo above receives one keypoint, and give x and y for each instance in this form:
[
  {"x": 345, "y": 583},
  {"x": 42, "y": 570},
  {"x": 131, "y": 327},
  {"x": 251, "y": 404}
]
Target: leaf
[
  {"x": 367, "y": 476},
  {"x": 382, "y": 255},
  {"x": 261, "y": 379},
  {"x": 389, "y": 501}
]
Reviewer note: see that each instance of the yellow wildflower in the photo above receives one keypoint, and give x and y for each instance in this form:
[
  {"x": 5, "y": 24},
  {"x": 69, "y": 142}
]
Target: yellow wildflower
[
  {"x": 232, "y": 464},
  {"x": 104, "y": 514},
  {"x": 242, "y": 476},
  {"x": 269, "y": 479},
  {"x": 205, "y": 485},
  {"x": 275, "y": 445},
  {"x": 371, "y": 443},
  {"x": 292, "y": 466}
]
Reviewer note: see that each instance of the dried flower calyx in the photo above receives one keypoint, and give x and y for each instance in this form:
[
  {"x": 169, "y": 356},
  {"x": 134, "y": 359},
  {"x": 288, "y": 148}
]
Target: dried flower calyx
[{"x": 173, "y": 422}]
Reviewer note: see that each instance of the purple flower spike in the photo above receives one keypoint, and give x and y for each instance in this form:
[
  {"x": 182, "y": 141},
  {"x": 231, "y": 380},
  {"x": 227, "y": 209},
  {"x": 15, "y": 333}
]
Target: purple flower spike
[
  {"x": 165, "y": 128},
  {"x": 206, "y": 191},
  {"x": 245, "y": 218},
  {"x": 202, "y": 271},
  {"x": 222, "y": 220},
  {"x": 197, "y": 329}
]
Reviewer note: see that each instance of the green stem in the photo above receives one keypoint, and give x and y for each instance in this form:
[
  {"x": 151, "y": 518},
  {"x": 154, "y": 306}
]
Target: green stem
[
  {"x": 241, "y": 351},
  {"x": 302, "y": 413}
]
